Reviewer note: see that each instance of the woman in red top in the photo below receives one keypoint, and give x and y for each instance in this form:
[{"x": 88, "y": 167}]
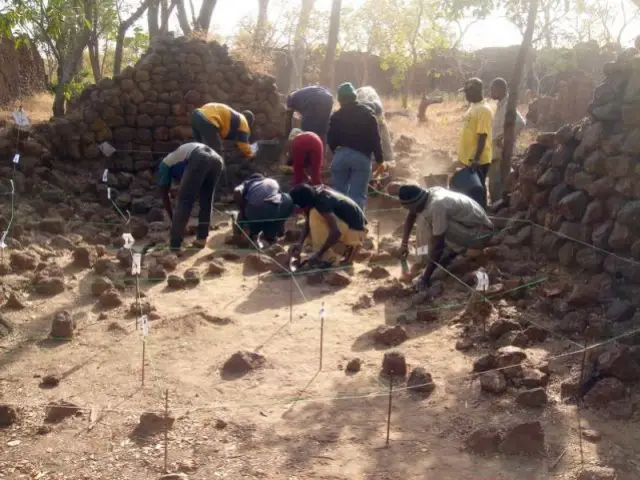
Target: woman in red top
[{"x": 307, "y": 154}]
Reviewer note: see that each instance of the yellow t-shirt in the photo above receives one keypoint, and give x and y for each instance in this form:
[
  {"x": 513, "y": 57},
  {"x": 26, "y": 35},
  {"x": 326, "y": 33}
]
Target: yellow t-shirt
[
  {"x": 231, "y": 124},
  {"x": 477, "y": 121}
]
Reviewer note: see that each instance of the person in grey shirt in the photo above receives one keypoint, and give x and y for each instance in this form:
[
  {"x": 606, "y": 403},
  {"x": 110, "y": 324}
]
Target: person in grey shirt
[
  {"x": 446, "y": 220},
  {"x": 264, "y": 208}
]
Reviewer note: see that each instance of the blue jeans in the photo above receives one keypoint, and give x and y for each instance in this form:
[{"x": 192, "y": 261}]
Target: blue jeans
[{"x": 350, "y": 174}]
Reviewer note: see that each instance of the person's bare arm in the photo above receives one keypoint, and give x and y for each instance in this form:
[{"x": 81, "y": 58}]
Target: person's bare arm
[
  {"x": 435, "y": 253},
  {"x": 166, "y": 201},
  {"x": 408, "y": 226},
  {"x": 482, "y": 142}
]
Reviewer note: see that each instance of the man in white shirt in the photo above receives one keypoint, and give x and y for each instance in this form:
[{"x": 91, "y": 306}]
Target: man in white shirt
[{"x": 500, "y": 92}]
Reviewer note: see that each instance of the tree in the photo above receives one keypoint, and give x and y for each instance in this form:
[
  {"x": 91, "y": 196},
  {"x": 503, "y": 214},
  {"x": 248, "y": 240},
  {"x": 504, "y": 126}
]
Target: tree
[
  {"x": 122, "y": 32},
  {"x": 204, "y": 18},
  {"x": 61, "y": 29},
  {"x": 261, "y": 25},
  {"x": 510, "y": 117},
  {"x": 328, "y": 68},
  {"x": 298, "y": 53}
]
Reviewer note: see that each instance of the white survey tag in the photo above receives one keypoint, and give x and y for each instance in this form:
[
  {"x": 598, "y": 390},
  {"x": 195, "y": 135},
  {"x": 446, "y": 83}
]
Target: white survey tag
[
  {"x": 422, "y": 250},
  {"x": 482, "y": 280},
  {"x": 16, "y": 159},
  {"x": 107, "y": 149},
  {"x": 109, "y": 193},
  {"x": 145, "y": 326},
  {"x": 105, "y": 175},
  {"x": 135, "y": 263},
  {"x": 20, "y": 117},
  {"x": 128, "y": 240},
  {"x": 322, "y": 311},
  {"x": 3, "y": 238},
  {"x": 13, "y": 187}
]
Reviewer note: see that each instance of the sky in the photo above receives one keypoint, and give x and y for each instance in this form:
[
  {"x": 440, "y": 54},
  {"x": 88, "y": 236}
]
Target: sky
[{"x": 495, "y": 31}]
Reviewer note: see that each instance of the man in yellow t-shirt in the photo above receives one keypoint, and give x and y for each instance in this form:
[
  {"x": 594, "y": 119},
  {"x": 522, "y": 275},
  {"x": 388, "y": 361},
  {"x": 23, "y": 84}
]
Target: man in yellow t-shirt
[
  {"x": 214, "y": 122},
  {"x": 475, "y": 141}
]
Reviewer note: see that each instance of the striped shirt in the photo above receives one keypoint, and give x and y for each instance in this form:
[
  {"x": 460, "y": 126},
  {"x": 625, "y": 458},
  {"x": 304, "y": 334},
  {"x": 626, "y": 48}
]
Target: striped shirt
[{"x": 231, "y": 124}]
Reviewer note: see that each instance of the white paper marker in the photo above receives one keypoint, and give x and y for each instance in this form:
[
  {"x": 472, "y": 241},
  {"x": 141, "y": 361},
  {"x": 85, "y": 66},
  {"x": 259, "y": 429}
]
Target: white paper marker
[
  {"x": 16, "y": 159},
  {"x": 105, "y": 175},
  {"x": 482, "y": 280},
  {"x": 135, "y": 263},
  {"x": 145, "y": 326},
  {"x": 128, "y": 240}
]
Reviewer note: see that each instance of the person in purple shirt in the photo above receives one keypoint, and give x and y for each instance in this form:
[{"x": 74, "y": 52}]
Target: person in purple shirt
[{"x": 314, "y": 104}]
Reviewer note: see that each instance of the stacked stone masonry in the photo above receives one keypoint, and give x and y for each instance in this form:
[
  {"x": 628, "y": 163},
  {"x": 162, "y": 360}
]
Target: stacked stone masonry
[
  {"x": 584, "y": 180},
  {"x": 145, "y": 113}
]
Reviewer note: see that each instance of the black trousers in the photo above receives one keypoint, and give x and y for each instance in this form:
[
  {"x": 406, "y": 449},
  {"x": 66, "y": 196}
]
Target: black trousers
[{"x": 204, "y": 167}]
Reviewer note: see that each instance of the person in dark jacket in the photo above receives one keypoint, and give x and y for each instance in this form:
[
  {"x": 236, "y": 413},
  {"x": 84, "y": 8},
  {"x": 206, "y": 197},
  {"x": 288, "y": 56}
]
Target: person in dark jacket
[
  {"x": 314, "y": 104},
  {"x": 353, "y": 138}
]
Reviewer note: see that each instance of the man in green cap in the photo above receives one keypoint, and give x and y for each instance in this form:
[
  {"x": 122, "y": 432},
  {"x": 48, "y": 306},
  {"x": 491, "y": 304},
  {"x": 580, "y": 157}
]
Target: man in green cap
[{"x": 353, "y": 138}]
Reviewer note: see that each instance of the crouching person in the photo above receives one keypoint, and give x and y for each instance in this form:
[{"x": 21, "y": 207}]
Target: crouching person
[
  {"x": 448, "y": 223},
  {"x": 333, "y": 221},
  {"x": 264, "y": 208},
  {"x": 197, "y": 168}
]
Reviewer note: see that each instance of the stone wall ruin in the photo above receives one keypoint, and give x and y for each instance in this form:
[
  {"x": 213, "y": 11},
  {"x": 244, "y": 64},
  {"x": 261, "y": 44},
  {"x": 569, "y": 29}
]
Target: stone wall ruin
[{"x": 584, "y": 181}]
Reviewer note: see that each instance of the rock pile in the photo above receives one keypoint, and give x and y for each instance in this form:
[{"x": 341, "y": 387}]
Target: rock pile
[
  {"x": 584, "y": 181},
  {"x": 144, "y": 113}
]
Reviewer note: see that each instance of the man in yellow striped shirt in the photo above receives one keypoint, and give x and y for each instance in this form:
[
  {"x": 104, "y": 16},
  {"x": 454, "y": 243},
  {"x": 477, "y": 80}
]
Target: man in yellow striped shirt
[{"x": 214, "y": 122}]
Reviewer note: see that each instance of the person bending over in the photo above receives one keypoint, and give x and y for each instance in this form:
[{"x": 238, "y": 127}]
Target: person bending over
[
  {"x": 314, "y": 104},
  {"x": 263, "y": 207},
  {"x": 197, "y": 168},
  {"x": 214, "y": 122},
  {"x": 448, "y": 223},
  {"x": 306, "y": 151},
  {"x": 333, "y": 222}
]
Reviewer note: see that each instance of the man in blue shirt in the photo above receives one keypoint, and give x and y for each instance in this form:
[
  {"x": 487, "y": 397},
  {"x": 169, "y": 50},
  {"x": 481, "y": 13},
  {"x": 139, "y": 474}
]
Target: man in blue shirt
[
  {"x": 314, "y": 104},
  {"x": 197, "y": 168}
]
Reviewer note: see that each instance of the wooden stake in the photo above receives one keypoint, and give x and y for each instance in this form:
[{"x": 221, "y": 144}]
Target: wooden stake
[
  {"x": 166, "y": 430},
  {"x": 291, "y": 300},
  {"x": 144, "y": 351},
  {"x": 321, "y": 334},
  {"x": 389, "y": 411},
  {"x": 584, "y": 359}
]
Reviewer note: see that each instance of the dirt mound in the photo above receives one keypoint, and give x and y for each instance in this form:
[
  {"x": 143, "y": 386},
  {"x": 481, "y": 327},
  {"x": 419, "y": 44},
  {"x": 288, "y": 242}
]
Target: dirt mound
[{"x": 241, "y": 363}]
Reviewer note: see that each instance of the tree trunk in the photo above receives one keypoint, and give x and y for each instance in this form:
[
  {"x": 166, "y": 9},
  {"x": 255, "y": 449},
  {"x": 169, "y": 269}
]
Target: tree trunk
[
  {"x": 204, "y": 18},
  {"x": 72, "y": 62},
  {"x": 167, "y": 10},
  {"x": 261, "y": 26},
  {"x": 510, "y": 117},
  {"x": 183, "y": 20},
  {"x": 152, "y": 20},
  {"x": 297, "y": 72},
  {"x": 94, "y": 59},
  {"x": 124, "y": 27},
  {"x": 328, "y": 70}
]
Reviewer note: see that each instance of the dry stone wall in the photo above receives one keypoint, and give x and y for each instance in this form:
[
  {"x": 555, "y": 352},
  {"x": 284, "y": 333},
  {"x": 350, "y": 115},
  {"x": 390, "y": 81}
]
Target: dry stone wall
[{"x": 584, "y": 180}]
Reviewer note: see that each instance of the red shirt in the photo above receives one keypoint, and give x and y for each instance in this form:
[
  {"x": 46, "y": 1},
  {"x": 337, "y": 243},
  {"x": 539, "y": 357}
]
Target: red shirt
[{"x": 307, "y": 153}]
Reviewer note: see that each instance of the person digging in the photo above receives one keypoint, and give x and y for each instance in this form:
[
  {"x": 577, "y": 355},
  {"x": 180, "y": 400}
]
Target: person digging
[
  {"x": 447, "y": 223},
  {"x": 197, "y": 168},
  {"x": 333, "y": 221}
]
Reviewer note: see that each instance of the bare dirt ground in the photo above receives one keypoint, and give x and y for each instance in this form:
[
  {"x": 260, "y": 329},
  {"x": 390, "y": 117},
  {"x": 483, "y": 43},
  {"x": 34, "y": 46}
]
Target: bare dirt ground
[{"x": 289, "y": 419}]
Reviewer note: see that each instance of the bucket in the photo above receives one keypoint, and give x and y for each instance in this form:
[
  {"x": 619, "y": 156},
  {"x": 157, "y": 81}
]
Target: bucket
[{"x": 468, "y": 182}]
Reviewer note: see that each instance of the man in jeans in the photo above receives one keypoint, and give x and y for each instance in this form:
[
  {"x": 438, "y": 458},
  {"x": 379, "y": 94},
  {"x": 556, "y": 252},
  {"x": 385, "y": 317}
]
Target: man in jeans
[
  {"x": 353, "y": 138},
  {"x": 197, "y": 168},
  {"x": 475, "y": 146}
]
